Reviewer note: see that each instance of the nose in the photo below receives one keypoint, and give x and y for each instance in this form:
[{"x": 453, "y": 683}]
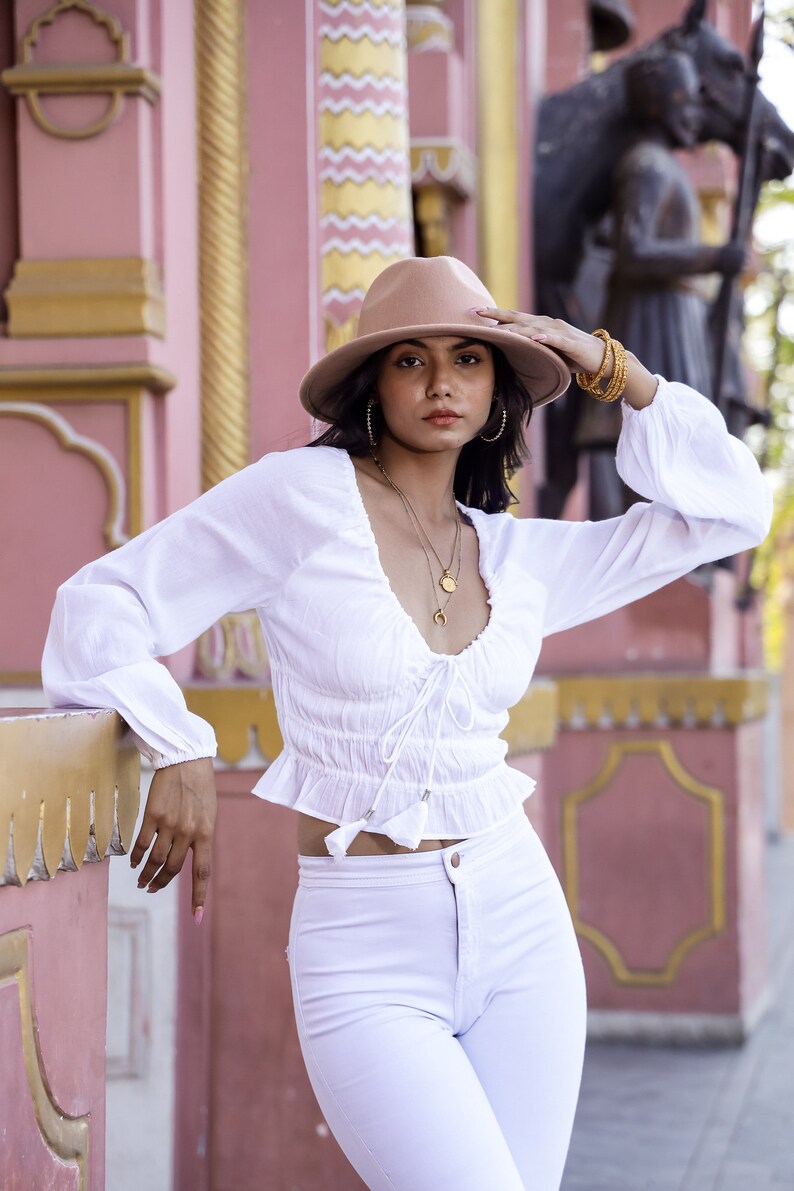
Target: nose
[{"x": 440, "y": 381}]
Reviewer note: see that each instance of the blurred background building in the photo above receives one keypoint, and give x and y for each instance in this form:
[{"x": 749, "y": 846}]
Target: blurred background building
[{"x": 194, "y": 198}]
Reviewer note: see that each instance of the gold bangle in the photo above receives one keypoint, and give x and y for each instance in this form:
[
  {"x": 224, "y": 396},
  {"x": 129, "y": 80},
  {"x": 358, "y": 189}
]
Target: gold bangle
[
  {"x": 620, "y": 374},
  {"x": 591, "y": 380}
]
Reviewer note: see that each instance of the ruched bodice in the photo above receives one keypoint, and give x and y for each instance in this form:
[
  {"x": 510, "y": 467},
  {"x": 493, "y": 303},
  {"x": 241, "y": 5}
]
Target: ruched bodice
[{"x": 379, "y": 731}]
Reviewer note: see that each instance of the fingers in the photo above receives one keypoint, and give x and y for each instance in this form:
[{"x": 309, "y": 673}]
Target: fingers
[
  {"x": 180, "y": 815},
  {"x": 172, "y": 866},
  {"x": 157, "y": 857},
  {"x": 201, "y": 875}
]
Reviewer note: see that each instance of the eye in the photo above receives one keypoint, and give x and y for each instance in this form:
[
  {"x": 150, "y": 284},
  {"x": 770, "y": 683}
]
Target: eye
[
  {"x": 469, "y": 358},
  {"x": 407, "y": 361}
]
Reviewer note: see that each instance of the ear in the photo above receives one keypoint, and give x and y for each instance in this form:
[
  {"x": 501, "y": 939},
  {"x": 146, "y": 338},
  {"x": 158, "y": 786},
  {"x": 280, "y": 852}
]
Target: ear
[{"x": 694, "y": 16}]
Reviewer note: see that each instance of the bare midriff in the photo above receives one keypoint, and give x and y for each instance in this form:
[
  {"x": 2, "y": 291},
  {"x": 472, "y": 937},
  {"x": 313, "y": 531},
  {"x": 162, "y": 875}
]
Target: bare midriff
[{"x": 312, "y": 833}]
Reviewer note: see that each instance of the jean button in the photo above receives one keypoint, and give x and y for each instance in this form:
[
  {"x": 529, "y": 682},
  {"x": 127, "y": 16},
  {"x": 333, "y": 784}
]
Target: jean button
[{"x": 454, "y": 859}]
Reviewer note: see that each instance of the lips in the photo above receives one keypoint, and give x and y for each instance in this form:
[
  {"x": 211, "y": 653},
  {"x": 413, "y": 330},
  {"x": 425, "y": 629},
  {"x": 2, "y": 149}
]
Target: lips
[{"x": 443, "y": 417}]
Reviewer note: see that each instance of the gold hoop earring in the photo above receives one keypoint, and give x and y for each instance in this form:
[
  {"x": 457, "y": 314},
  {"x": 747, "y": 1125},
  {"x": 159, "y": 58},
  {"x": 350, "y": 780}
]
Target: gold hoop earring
[
  {"x": 370, "y": 435},
  {"x": 501, "y": 429}
]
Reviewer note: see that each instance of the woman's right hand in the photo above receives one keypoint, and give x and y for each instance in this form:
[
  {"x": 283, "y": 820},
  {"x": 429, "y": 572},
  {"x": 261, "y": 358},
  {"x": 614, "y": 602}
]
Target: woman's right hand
[{"x": 180, "y": 814}]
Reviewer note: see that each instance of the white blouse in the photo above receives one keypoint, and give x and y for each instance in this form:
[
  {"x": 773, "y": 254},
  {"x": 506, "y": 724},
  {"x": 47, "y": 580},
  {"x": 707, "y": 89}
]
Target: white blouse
[{"x": 379, "y": 730}]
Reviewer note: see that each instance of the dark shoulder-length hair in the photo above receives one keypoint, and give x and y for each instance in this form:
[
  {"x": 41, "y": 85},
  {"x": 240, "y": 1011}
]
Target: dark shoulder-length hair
[{"x": 484, "y": 469}]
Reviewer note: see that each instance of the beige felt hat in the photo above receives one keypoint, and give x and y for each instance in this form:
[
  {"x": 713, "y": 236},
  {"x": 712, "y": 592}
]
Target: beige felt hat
[{"x": 430, "y": 296}]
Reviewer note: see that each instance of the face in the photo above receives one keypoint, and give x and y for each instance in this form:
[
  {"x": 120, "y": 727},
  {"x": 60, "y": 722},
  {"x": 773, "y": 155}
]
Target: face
[
  {"x": 436, "y": 393},
  {"x": 681, "y": 104}
]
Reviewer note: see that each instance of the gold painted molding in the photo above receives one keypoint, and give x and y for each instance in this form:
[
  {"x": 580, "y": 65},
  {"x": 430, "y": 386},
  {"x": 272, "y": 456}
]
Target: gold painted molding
[
  {"x": 89, "y": 297},
  {"x": 236, "y": 711},
  {"x": 90, "y": 449},
  {"x": 691, "y": 700},
  {"x": 67, "y": 1138},
  {"x": 498, "y": 42},
  {"x": 428, "y": 27},
  {"x": 450, "y": 163},
  {"x": 116, "y": 79},
  {"x": 69, "y": 790},
  {"x": 223, "y": 239},
  {"x": 69, "y": 383},
  {"x": 713, "y": 798},
  {"x": 105, "y": 384}
]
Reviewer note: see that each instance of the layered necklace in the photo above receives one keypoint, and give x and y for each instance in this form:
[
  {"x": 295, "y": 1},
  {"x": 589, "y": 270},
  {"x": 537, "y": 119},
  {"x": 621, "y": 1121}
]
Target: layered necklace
[{"x": 447, "y": 582}]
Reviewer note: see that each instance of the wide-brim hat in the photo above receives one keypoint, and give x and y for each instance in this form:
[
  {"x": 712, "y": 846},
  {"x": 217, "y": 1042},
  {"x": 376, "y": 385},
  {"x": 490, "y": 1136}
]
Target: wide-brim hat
[{"x": 424, "y": 296}]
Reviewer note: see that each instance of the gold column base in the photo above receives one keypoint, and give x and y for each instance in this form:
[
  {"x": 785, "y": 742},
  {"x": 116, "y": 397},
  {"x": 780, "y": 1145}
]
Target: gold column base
[{"x": 85, "y": 298}]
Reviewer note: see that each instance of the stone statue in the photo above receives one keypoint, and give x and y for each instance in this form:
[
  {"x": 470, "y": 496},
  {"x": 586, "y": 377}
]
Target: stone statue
[
  {"x": 583, "y": 134},
  {"x": 655, "y": 305}
]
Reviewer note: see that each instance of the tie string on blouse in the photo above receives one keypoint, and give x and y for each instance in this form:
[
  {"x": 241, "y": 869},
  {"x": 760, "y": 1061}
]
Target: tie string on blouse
[{"x": 407, "y": 827}]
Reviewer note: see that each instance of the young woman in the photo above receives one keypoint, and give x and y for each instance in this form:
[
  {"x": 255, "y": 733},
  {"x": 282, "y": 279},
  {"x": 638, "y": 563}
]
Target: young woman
[{"x": 436, "y": 978}]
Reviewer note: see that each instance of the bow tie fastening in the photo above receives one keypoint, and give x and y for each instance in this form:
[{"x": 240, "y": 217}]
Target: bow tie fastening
[{"x": 408, "y": 826}]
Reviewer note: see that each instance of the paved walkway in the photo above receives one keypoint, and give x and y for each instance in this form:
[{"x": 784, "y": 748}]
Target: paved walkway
[{"x": 653, "y": 1119}]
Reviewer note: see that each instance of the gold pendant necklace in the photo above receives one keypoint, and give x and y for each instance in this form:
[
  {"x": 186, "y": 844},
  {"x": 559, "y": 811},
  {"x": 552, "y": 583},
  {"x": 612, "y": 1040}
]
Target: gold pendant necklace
[{"x": 448, "y": 582}]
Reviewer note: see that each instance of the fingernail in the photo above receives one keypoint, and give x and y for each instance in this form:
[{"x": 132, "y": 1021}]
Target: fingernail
[
  {"x": 141, "y": 884},
  {"x": 475, "y": 309},
  {"x": 151, "y": 889},
  {"x": 538, "y": 336},
  {"x": 198, "y": 914},
  {"x": 134, "y": 863}
]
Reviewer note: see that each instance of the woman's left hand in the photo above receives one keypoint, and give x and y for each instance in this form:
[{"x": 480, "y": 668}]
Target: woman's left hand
[{"x": 580, "y": 352}]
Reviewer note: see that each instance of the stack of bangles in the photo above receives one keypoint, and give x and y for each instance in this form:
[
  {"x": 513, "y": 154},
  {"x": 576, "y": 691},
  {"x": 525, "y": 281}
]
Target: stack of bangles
[{"x": 591, "y": 381}]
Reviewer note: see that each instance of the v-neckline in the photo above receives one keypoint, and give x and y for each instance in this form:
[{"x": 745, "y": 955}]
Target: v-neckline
[{"x": 350, "y": 468}]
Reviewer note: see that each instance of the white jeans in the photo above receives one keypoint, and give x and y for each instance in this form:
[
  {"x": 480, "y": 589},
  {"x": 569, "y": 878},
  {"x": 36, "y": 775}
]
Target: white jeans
[{"x": 440, "y": 1005}]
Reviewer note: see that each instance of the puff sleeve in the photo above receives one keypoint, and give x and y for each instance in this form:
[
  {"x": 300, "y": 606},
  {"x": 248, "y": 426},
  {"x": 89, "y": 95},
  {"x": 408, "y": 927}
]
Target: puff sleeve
[
  {"x": 706, "y": 498},
  {"x": 229, "y": 550}
]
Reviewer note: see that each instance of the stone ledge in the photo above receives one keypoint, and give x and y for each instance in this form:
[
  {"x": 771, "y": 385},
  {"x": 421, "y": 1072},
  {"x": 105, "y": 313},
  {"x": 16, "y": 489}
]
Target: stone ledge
[{"x": 69, "y": 790}]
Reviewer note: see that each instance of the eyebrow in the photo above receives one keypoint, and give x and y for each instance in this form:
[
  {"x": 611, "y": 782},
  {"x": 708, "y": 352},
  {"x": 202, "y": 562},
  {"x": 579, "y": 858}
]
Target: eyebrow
[{"x": 455, "y": 346}]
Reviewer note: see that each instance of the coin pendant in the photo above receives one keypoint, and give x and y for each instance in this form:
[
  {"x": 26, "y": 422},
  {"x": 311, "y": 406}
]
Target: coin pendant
[
  {"x": 440, "y": 617},
  {"x": 448, "y": 582}
]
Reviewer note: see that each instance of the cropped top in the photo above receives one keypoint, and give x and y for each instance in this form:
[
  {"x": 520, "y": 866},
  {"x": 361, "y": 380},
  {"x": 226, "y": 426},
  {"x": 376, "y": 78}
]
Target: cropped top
[{"x": 381, "y": 732}]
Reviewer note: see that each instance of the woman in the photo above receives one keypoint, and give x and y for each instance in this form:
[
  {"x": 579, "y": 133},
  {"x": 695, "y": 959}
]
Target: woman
[{"x": 436, "y": 979}]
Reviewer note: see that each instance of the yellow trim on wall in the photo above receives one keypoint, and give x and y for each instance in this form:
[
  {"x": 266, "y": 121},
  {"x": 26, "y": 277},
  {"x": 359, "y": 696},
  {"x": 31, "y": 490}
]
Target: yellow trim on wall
[
  {"x": 66, "y": 1138},
  {"x": 85, "y": 297},
  {"x": 498, "y": 45},
  {"x": 643, "y": 700},
  {"x": 621, "y": 972}
]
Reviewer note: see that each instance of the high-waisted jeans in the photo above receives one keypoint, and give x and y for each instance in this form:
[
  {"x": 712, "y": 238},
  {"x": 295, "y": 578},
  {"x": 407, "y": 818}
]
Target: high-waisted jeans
[{"x": 440, "y": 1005}]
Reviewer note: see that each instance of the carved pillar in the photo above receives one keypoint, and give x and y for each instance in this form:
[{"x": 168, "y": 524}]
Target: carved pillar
[
  {"x": 221, "y": 99},
  {"x": 365, "y": 208}
]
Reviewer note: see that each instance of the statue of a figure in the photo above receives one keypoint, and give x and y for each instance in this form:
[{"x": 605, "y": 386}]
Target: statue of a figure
[
  {"x": 655, "y": 304},
  {"x": 583, "y": 134}
]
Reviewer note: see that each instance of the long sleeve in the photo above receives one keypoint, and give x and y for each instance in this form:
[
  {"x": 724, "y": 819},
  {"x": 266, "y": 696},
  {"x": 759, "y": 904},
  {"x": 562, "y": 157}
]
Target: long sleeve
[
  {"x": 708, "y": 500},
  {"x": 228, "y": 551}
]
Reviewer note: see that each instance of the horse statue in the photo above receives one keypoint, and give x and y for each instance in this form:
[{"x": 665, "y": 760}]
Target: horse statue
[{"x": 583, "y": 134}]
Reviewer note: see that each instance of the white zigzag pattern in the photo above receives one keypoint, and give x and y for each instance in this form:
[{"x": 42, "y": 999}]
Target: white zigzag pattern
[
  {"x": 343, "y": 223},
  {"x": 377, "y": 107},
  {"x": 368, "y": 153},
  {"x": 394, "y": 37},
  {"x": 335, "y": 294},
  {"x": 365, "y": 247},
  {"x": 386, "y": 82},
  {"x": 395, "y": 177},
  {"x": 353, "y": 10}
]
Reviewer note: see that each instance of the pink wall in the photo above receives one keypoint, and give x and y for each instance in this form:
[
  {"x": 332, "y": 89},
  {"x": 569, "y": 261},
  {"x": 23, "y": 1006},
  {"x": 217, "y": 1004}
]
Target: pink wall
[
  {"x": 282, "y": 204},
  {"x": 9, "y": 215},
  {"x": 67, "y": 924},
  {"x": 645, "y": 859}
]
